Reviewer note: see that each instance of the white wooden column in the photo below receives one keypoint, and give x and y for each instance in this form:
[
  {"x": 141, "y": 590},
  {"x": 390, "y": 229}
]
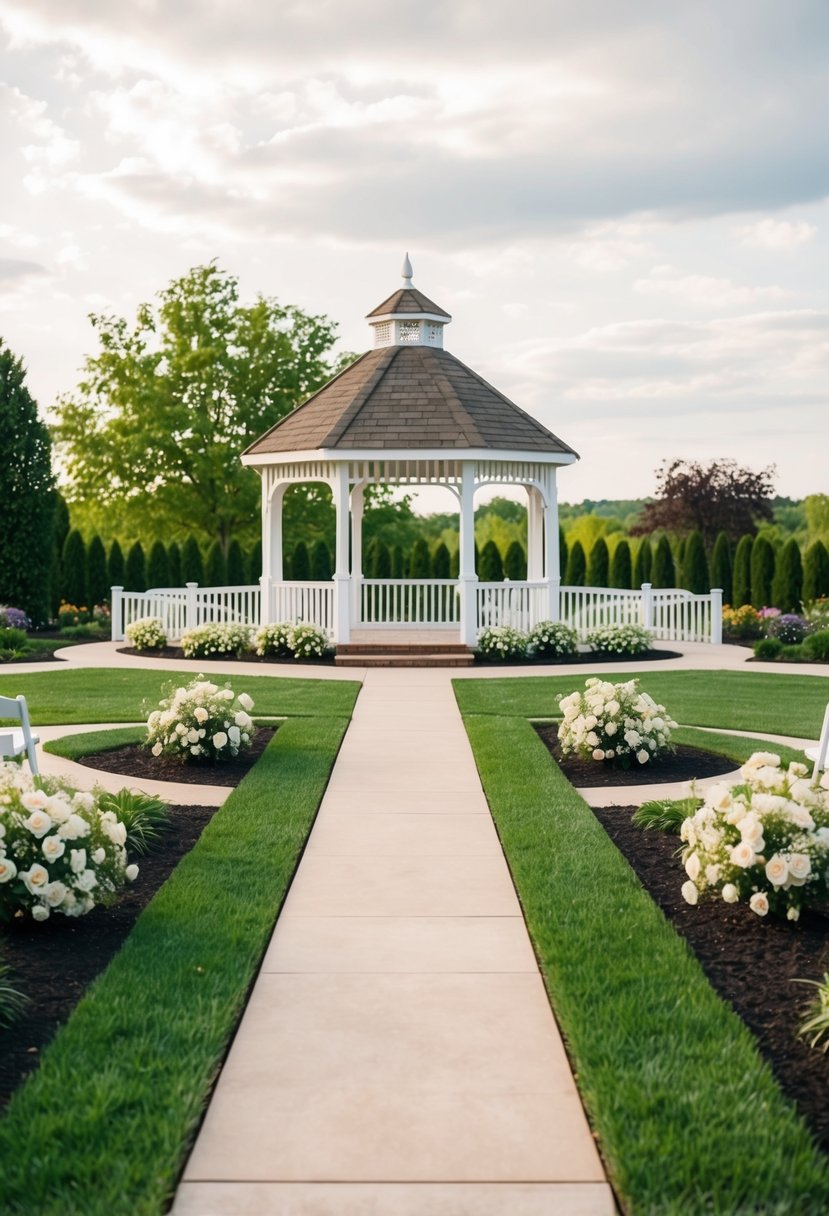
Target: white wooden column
[
  {"x": 342, "y": 581},
  {"x": 272, "y": 562},
  {"x": 552, "y": 576},
  {"x": 467, "y": 578},
  {"x": 535, "y": 535},
  {"x": 357, "y": 503}
]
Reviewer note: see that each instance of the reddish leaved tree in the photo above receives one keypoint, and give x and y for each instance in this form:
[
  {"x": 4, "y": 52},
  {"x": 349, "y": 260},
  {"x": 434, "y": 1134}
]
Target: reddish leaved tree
[{"x": 712, "y": 498}]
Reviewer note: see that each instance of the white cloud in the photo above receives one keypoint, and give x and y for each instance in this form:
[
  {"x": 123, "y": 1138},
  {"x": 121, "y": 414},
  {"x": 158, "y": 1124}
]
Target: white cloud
[
  {"x": 775, "y": 234},
  {"x": 703, "y": 291}
]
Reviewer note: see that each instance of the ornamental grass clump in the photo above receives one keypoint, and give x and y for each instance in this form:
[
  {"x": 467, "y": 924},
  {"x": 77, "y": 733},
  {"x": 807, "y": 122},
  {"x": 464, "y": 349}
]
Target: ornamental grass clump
[
  {"x": 147, "y": 633},
  {"x": 763, "y": 841},
  {"x": 201, "y": 722},
  {"x": 621, "y": 639},
  {"x": 614, "y": 723},
  {"x": 213, "y": 640},
  {"x": 502, "y": 643},
  {"x": 553, "y": 639},
  {"x": 60, "y": 851}
]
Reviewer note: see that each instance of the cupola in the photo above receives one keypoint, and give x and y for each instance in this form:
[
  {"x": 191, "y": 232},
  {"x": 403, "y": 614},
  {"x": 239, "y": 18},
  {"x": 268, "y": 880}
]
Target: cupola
[{"x": 408, "y": 318}]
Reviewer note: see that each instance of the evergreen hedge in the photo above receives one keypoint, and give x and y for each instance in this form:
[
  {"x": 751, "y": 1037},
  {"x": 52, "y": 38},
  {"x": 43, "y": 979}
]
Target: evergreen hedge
[
  {"x": 96, "y": 568},
  {"x": 576, "y": 566},
  {"x": 174, "y": 562},
  {"x": 135, "y": 573},
  {"x": 741, "y": 575},
  {"x": 663, "y": 571},
  {"x": 322, "y": 568},
  {"x": 598, "y": 566},
  {"x": 116, "y": 569},
  {"x": 762, "y": 572},
  {"x": 235, "y": 572},
  {"x": 492, "y": 568},
  {"x": 815, "y": 572},
  {"x": 787, "y": 586},
  {"x": 300, "y": 563},
  {"x": 695, "y": 575},
  {"x": 721, "y": 572},
  {"x": 515, "y": 562},
  {"x": 441, "y": 562},
  {"x": 420, "y": 560},
  {"x": 621, "y": 567},
  {"x": 74, "y": 574},
  {"x": 215, "y": 566},
  {"x": 158, "y": 566},
  {"x": 192, "y": 563},
  {"x": 643, "y": 565}
]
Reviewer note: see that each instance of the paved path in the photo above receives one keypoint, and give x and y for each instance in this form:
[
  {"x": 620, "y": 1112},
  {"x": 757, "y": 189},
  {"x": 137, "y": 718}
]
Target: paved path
[{"x": 398, "y": 1056}]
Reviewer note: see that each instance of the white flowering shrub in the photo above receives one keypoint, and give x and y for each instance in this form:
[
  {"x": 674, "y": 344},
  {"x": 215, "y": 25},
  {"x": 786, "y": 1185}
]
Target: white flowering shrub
[
  {"x": 502, "y": 642},
  {"x": 552, "y": 638},
  {"x": 211, "y": 639},
  {"x": 201, "y": 722},
  {"x": 307, "y": 642},
  {"x": 621, "y": 639},
  {"x": 274, "y": 640},
  {"x": 60, "y": 852},
  {"x": 763, "y": 841},
  {"x": 147, "y": 633},
  {"x": 614, "y": 722}
]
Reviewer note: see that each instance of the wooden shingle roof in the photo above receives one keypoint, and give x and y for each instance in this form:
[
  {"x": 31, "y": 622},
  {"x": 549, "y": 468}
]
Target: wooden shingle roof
[
  {"x": 400, "y": 397},
  {"x": 408, "y": 300}
]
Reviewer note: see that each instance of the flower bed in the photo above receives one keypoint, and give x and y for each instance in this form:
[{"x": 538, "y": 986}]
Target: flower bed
[
  {"x": 201, "y": 722},
  {"x": 615, "y": 723}
]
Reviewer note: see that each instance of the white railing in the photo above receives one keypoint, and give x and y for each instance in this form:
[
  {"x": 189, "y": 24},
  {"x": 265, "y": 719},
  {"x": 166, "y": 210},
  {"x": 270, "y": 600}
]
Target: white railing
[
  {"x": 679, "y": 616},
  {"x": 425, "y": 602},
  {"x": 674, "y": 615},
  {"x": 311, "y": 603},
  {"x": 517, "y": 604},
  {"x": 182, "y": 608},
  {"x": 586, "y": 608}
]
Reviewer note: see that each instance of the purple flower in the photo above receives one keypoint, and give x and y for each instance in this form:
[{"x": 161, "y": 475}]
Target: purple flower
[{"x": 14, "y": 618}]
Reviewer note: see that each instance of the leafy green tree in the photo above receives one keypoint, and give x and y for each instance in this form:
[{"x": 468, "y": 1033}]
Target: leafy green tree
[
  {"x": 322, "y": 568},
  {"x": 621, "y": 567},
  {"x": 663, "y": 571},
  {"x": 174, "y": 560},
  {"x": 721, "y": 573},
  {"x": 787, "y": 585},
  {"x": 116, "y": 570},
  {"x": 300, "y": 563},
  {"x": 215, "y": 566},
  {"x": 96, "y": 569},
  {"x": 380, "y": 560},
  {"x": 255, "y": 563},
  {"x": 695, "y": 575},
  {"x": 75, "y": 577},
  {"x": 492, "y": 567},
  {"x": 441, "y": 562},
  {"x": 398, "y": 562},
  {"x": 576, "y": 566},
  {"x": 158, "y": 566},
  {"x": 167, "y": 405},
  {"x": 741, "y": 578},
  {"x": 235, "y": 565},
  {"x": 420, "y": 560},
  {"x": 192, "y": 562},
  {"x": 27, "y": 497},
  {"x": 762, "y": 572},
  {"x": 515, "y": 562},
  {"x": 598, "y": 566},
  {"x": 135, "y": 574},
  {"x": 644, "y": 563},
  {"x": 815, "y": 572}
]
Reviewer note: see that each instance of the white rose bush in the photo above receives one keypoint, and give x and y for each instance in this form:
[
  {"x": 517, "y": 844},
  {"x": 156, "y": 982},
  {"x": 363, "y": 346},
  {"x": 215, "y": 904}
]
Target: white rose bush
[
  {"x": 212, "y": 639},
  {"x": 60, "y": 852},
  {"x": 620, "y": 639},
  {"x": 147, "y": 633},
  {"x": 201, "y": 722},
  {"x": 308, "y": 642},
  {"x": 763, "y": 841},
  {"x": 552, "y": 639},
  {"x": 290, "y": 641},
  {"x": 614, "y": 723},
  {"x": 502, "y": 642}
]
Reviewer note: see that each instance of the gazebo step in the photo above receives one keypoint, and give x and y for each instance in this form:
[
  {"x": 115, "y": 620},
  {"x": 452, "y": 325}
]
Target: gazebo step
[
  {"x": 402, "y": 648},
  {"x": 403, "y": 656}
]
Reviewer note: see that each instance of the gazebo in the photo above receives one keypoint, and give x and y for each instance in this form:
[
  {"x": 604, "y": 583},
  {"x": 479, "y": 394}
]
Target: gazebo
[{"x": 408, "y": 413}]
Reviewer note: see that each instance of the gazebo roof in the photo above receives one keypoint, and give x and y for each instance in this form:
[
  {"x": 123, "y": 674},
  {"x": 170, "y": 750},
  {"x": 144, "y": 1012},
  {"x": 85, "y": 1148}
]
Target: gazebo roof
[
  {"x": 408, "y": 300},
  {"x": 408, "y": 397}
]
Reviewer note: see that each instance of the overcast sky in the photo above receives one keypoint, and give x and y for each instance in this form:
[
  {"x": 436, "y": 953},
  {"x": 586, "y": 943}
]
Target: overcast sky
[{"x": 622, "y": 204}]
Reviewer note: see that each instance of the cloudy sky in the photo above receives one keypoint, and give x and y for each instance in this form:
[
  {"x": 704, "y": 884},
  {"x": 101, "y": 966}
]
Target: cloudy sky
[{"x": 623, "y": 203}]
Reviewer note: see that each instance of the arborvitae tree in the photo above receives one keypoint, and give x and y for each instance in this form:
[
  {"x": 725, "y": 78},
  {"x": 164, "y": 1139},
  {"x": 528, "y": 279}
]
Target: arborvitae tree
[
  {"x": 380, "y": 560},
  {"x": 663, "y": 571},
  {"x": 741, "y": 574},
  {"x": 235, "y": 565},
  {"x": 455, "y": 563},
  {"x": 96, "y": 570},
  {"x": 158, "y": 566},
  {"x": 322, "y": 569},
  {"x": 562, "y": 554},
  {"x": 598, "y": 566},
  {"x": 492, "y": 567},
  {"x": 255, "y": 563},
  {"x": 420, "y": 560},
  {"x": 398, "y": 562},
  {"x": 576, "y": 566},
  {"x": 441, "y": 562},
  {"x": 815, "y": 572},
  {"x": 116, "y": 570},
  {"x": 192, "y": 563},
  {"x": 762, "y": 572},
  {"x": 300, "y": 563},
  {"x": 215, "y": 566},
  {"x": 515, "y": 562},
  {"x": 62, "y": 526},
  {"x": 643, "y": 564},
  {"x": 174, "y": 562},
  {"x": 135, "y": 574},
  {"x": 477, "y": 560},
  {"x": 721, "y": 572},
  {"x": 27, "y": 498},
  {"x": 695, "y": 576},
  {"x": 60, "y": 531},
  {"x": 621, "y": 568},
  {"x": 787, "y": 585},
  {"x": 75, "y": 580},
  {"x": 679, "y": 562}
]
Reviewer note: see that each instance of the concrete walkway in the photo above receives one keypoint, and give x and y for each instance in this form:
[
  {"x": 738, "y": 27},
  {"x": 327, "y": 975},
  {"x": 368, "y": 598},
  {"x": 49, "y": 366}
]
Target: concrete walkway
[{"x": 398, "y": 1056}]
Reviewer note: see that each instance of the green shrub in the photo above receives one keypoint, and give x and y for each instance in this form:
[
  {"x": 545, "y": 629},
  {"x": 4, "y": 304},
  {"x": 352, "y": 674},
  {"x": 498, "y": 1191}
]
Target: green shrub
[
  {"x": 768, "y": 648},
  {"x": 322, "y": 569},
  {"x": 174, "y": 562},
  {"x": 621, "y": 639},
  {"x": 663, "y": 572},
  {"x": 135, "y": 574},
  {"x": 552, "y": 638},
  {"x": 792, "y": 654},
  {"x": 815, "y": 1027},
  {"x": 815, "y": 572},
  {"x": 235, "y": 565},
  {"x": 96, "y": 568},
  {"x": 420, "y": 560},
  {"x": 12, "y": 639},
  {"x": 158, "y": 566},
  {"x": 492, "y": 567},
  {"x": 116, "y": 570},
  {"x": 816, "y": 646},
  {"x": 192, "y": 563},
  {"x": 73, "y": 563},
  {"x": 598, "y": 565},
  {"x": 621, "y": 567},
  {"x": 762, "y": 572},
  {"x": 787, "y": 585},
  {"x": 515, "y": 562},
  {"x": 576, "y": 566},
  {"x": 502, "y": 643},
  {"x": 721, "y": 570},
  {"x": 12, "y": 1002},
  {"x": 89, "y": 630},
  {"x": 666, "y": 814},
  {"x": 644, "y": 563},
  {"x": 741, "y": 575},
  {"x": 215, "y": 566},
  {"x": 144, "y": 817},
  {"x": 695, "y": 576}
]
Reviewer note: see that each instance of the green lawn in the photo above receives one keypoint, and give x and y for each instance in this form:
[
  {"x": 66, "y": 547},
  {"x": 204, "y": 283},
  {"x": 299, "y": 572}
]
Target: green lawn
[{"x": 127, "y": 694}]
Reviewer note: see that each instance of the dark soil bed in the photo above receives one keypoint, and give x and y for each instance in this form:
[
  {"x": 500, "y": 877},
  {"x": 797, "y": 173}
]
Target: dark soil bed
[
  {"x": 590, "y": 656},
  {"x": 53, "y": 962},
  {"x": 751, "y": 962},
  {"x": 175, "y": 652},
  {"x": 134, "y": 760},
  {"x": 684, "y": 764}
]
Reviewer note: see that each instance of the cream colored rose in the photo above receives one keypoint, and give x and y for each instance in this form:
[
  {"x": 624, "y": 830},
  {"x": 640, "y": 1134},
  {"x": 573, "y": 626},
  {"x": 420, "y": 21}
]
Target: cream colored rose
[
  {"x": 38, "y": 823},
  {"x": 34, "y": 800},
  {"x": 219, "y": 740},
  {"x": 35, "y": 878},
  {"x": 800, "y": 865},
  {"x": 52, "y": 848},
  {"x": 8, "y": 870},
  {"x": 690, "y": 893},
  {"x": 759, "y": 903},
  {"x": 730, "y": 893},
  {"x": 39, "y": 912},
  {"x": 743, "y": 854},
  {"x": 692, "y": 866},
  {"x": 200, "y": 714},
  {"x": 777, "y": 870},
  {"x": 55, "y": 894}
]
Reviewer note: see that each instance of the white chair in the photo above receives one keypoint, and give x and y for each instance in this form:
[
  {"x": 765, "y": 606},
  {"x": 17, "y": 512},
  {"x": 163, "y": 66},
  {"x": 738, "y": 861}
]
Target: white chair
[
  {"x": 818, "y": 754},
  {"x": 15, "y": 742}
]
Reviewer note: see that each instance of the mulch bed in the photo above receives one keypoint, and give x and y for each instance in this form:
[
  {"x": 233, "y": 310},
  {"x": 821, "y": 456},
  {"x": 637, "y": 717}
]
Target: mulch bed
[
  {"x": 135, "y": 760},
  {"x": 175, "y": 652},
  {"x": 749, "y": 961},
  {"x": 590, "y": 656},
  {"x": 684, "y": 764}
]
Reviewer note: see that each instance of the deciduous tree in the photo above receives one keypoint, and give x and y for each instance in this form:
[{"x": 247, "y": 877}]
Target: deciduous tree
[{"x": 717, "y": 497}]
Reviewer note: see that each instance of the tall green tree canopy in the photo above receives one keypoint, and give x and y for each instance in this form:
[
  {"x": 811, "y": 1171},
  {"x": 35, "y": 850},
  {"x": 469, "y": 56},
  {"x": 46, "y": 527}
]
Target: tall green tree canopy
[{"x": 168, "y": 404}]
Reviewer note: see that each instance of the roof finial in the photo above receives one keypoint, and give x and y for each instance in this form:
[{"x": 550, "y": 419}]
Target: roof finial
[{"x": 407, "y": 272}]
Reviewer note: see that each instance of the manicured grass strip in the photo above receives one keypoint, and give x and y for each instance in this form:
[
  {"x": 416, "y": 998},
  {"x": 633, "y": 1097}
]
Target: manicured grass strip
[
  {"x": 123, "y": 694},
  {"x": 780, "y": 704},
  {"x": 75, "y": 747},
  {"x": 103, "y": 1126},
  {"x": 737, "y": 747},
  {"x": 689, "y": 1118}
]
